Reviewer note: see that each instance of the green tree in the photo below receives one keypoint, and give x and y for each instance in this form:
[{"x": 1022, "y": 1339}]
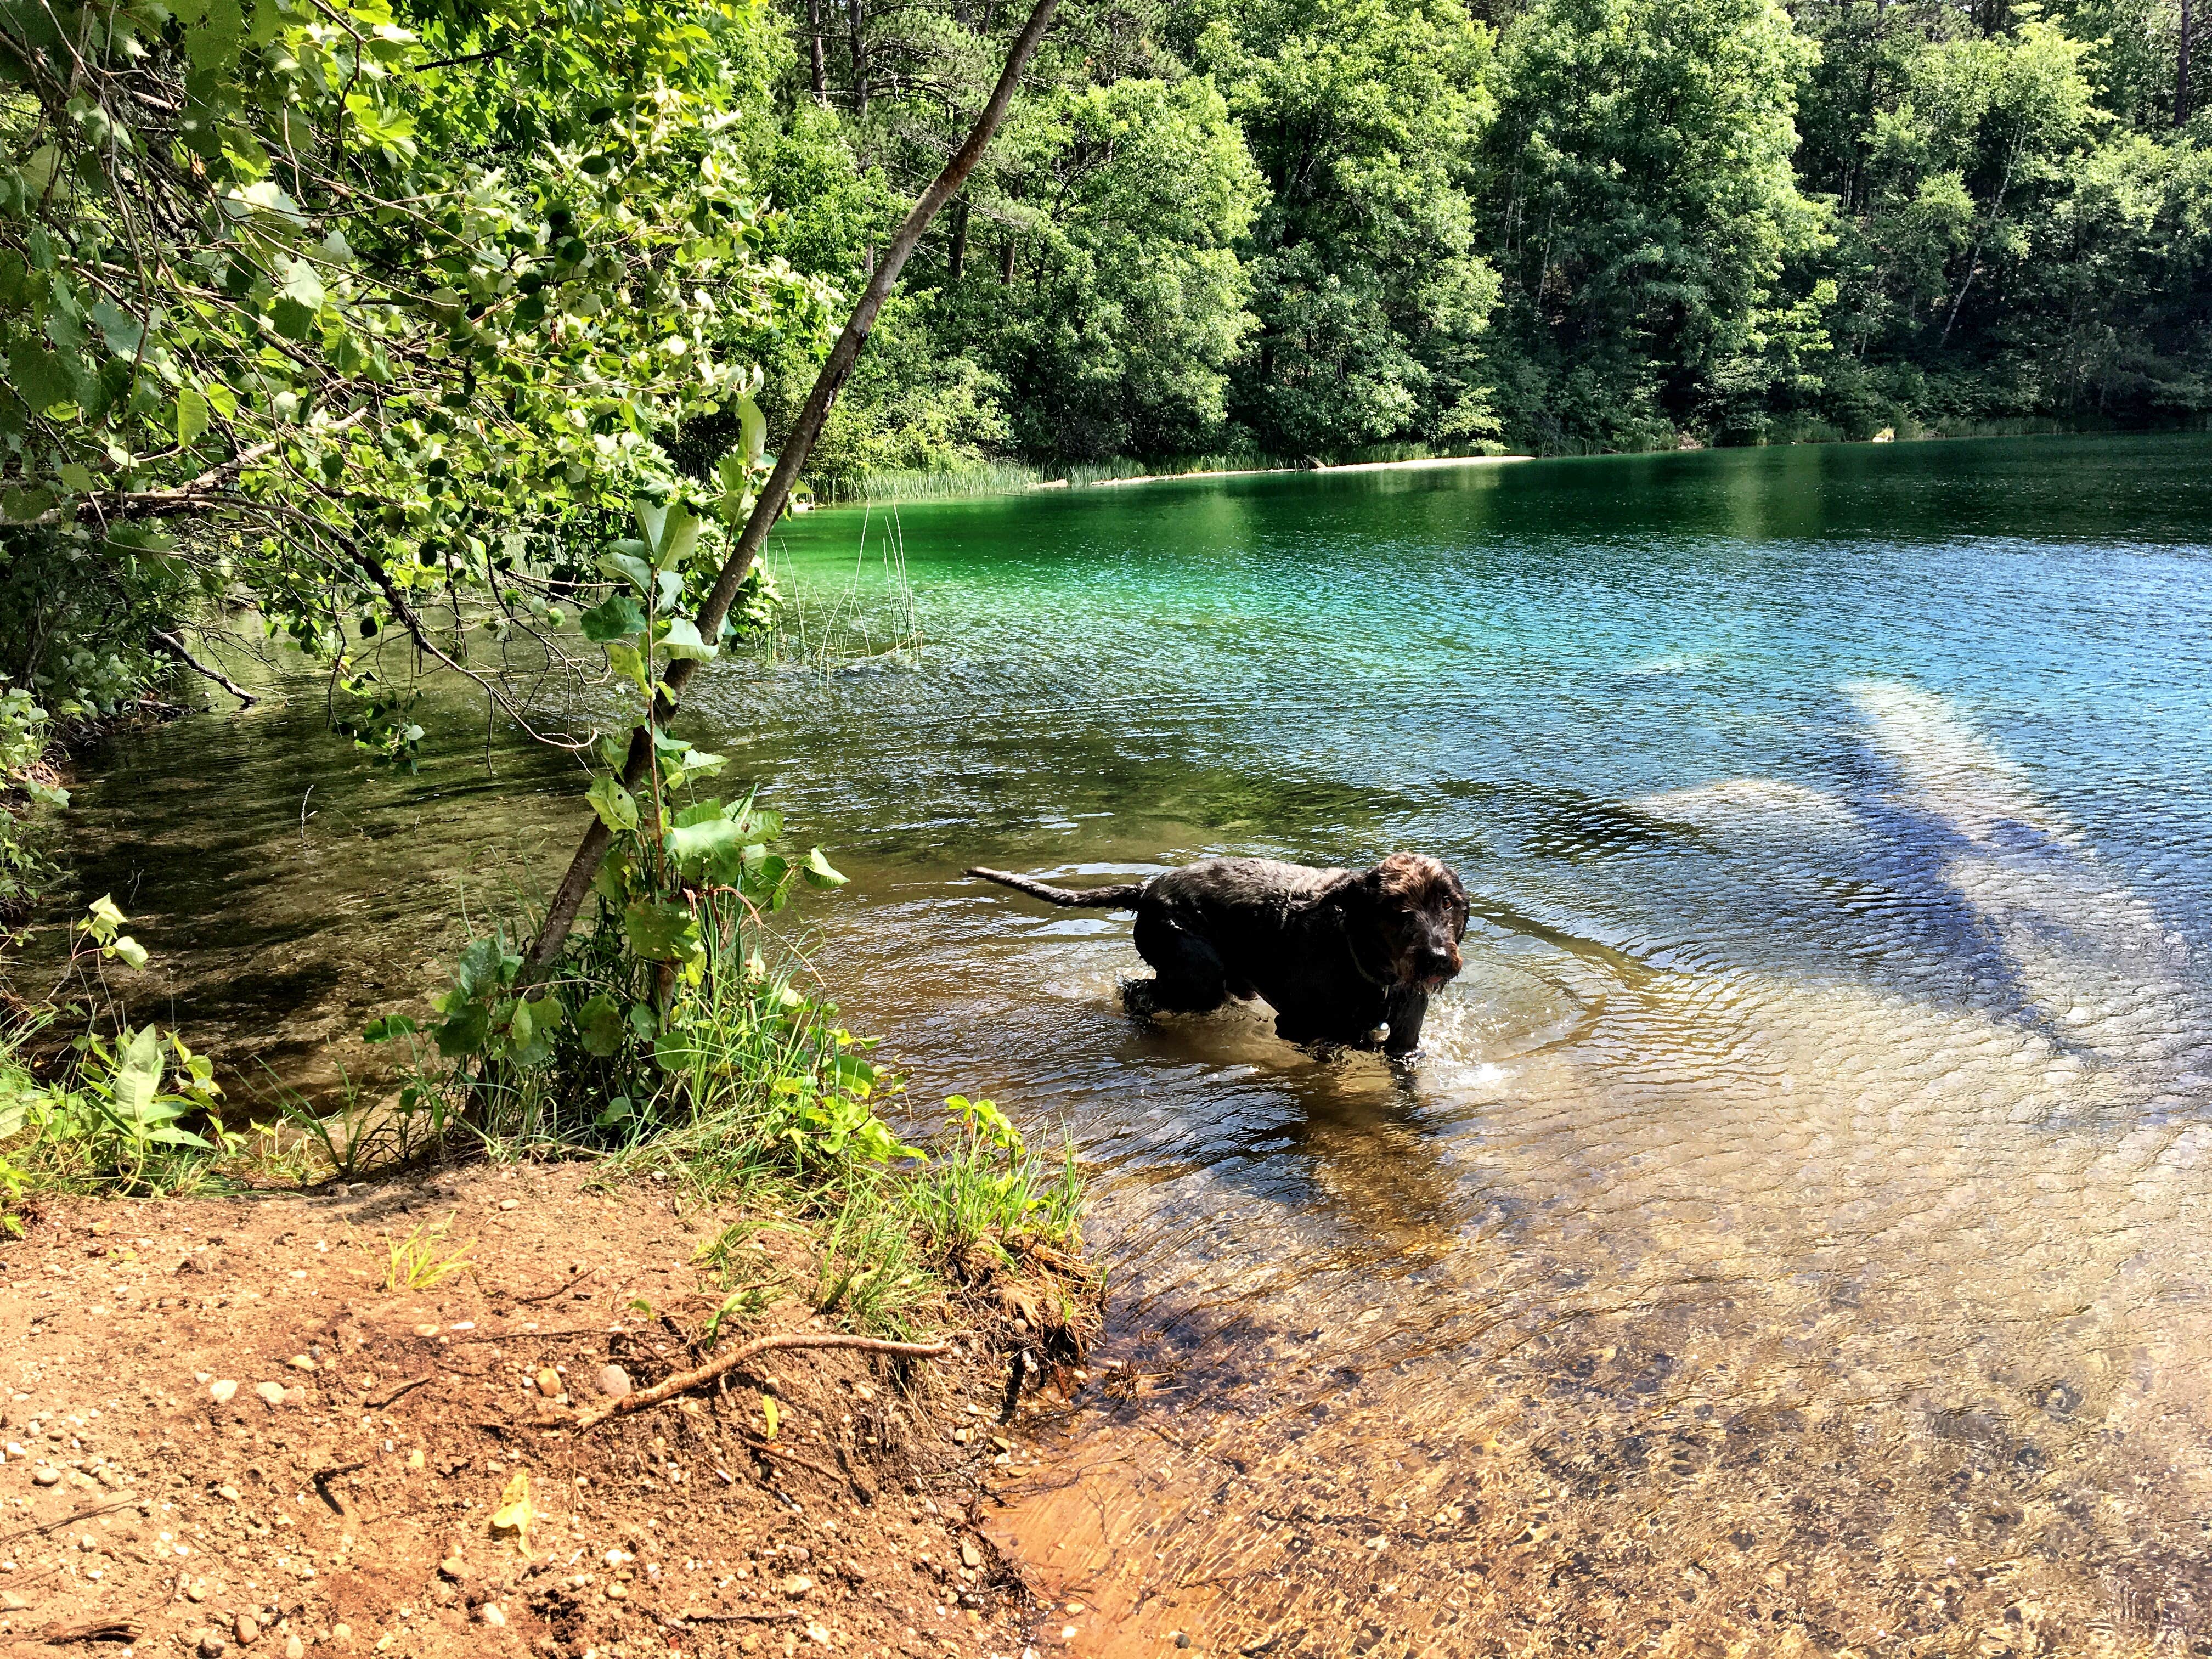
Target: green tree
[
  {"x": 1640, "y": 185},
  {"x": 1371, "y": 295}
]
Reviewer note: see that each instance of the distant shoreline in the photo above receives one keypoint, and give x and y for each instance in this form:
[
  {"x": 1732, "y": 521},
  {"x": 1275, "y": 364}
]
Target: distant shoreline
[{"x": 1269, "y": 472}]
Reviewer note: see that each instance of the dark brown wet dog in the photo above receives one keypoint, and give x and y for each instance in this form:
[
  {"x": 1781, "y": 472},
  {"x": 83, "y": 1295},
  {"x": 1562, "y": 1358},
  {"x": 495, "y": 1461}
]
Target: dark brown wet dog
[{"x": 1338, "y": 954}]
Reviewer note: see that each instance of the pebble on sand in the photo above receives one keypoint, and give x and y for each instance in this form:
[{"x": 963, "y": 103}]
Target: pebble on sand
[
  {"x": 273, "y": 1393},
  {"x": 222, "y": 1392},
  {"x": 614, "y": 1381}
]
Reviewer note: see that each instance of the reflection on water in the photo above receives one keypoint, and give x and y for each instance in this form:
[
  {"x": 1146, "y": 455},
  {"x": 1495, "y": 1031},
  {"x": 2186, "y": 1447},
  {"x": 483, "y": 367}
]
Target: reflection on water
[{"x": 1794, "y": 1241}]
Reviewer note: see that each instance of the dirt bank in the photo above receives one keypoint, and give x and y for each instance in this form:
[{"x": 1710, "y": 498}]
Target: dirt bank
[{"x": 224, "y": 1435}]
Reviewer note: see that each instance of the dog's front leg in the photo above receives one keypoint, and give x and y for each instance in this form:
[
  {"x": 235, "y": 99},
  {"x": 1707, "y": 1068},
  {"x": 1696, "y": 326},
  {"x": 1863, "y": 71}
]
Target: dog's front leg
[{"x": 1403, "y": 1013}]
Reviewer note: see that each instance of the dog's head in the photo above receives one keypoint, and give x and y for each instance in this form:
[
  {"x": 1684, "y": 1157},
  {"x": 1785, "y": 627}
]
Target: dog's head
[{"x": 1406, "y": 917}]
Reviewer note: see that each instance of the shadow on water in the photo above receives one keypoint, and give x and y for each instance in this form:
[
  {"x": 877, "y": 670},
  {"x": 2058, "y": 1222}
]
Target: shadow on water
[{"x": 1793, "y": 1240}]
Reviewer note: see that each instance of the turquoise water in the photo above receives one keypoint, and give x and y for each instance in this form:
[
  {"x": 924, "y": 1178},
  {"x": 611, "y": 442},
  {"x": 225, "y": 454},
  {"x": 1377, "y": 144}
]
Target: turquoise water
[{"x": 1793, "y": 1239}]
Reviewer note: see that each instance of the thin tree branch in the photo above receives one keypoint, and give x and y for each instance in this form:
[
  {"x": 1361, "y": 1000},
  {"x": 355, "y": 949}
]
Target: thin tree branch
[
  {"x": 568, "y": 898},
  {"x": 175, "y": 647}
]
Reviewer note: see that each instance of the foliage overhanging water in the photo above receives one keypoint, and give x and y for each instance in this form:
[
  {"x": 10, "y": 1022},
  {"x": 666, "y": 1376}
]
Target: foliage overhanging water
[{"x": 1794, "y": 1238}]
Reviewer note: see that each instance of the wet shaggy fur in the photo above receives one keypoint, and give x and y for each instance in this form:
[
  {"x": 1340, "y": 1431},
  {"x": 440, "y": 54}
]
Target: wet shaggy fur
[{"x": 1338, "y": 954}]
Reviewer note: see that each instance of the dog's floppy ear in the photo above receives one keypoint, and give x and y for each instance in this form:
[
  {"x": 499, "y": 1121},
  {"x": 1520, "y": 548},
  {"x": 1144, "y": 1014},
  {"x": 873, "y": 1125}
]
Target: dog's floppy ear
[{"x": 1363, "y": 898}]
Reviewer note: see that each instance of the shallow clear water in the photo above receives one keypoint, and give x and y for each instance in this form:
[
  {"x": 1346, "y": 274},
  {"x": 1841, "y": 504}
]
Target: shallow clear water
[{"x": 1793, "y": 1239}]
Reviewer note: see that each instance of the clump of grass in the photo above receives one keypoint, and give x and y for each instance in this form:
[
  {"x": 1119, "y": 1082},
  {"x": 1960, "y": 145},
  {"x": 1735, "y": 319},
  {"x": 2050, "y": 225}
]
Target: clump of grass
[{"x": 419, "y": 1261}]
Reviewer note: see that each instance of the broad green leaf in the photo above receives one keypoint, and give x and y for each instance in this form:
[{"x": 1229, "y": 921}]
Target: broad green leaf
[
  {"x": 616, "y": 805},
  {"x": 818, "y": 872},
  {"x": 661, "y": 932},
  {"x": 389, "y": 1026},
  {"x": 614, "y": 617},
  {"x": 711, "y": 848},
  {"x": 131, "y": 950},
  {"x": 43, "y": 378},
  {"x": 752, "y": 430},
  {"x": 191, "y": 416},
  {"x": 298, "y": 301},
  {"x": 38, "y": 172},
  {"x": 626, "y": 661},
  {"x": 138, "y": 1076},
  {"x": 679, "y": 637},
  {"x": 623, "y": 568},
  {"x": 600, "y": 1024}
]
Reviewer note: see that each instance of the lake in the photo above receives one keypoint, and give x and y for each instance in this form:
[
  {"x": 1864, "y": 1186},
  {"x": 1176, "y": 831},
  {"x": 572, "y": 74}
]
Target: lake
[{"x": 1793, "y": 1239}]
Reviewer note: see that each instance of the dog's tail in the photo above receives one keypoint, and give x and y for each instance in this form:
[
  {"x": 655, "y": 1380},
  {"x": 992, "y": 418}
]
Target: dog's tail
[{"x": 1120, "y": 897}]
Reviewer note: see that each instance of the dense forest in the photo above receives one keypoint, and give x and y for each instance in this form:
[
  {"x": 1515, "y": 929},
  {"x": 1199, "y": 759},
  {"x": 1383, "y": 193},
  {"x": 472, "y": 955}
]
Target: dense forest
[{"x": 1246, "y": 225}]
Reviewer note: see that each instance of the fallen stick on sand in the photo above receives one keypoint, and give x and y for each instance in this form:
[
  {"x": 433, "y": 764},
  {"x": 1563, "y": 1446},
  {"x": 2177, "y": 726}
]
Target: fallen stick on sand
[{"x": 684, "y": 1382}]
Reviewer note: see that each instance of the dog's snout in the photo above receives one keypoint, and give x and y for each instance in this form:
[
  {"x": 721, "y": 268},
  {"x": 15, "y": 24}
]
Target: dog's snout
[{"x": 1441, "y": 963}]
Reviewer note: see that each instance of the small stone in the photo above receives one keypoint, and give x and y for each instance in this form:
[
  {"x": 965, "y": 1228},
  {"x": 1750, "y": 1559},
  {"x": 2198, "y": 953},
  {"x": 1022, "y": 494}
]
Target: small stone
[
  {"x": 1182, "y": 1638},
  {"x": 453, "y": 1568},
  {"x": 548, "y": 1383},
  {"x": 426, "y": 1330},
  {"x": 510, "y": 1204},
  {"x": 960, "y": 1437},
  {"x": 491, "y": 1615},
  {"x": 617, "y": 1591},
  {"x": 246, "y": 1627},
  {"x": 211, "y": 1645},
  {"x": 197, "y": 1590},
  {"x": 341, "y": 1632},
  {"x": 46, "y": 1477},
  {"x": 614, "y": 1381},
  {"x": 231, "y": 1493},
  {"x": 969, "y": 1555},
  {"x": 222, "y": 1393},
  {"x": 272, "y": 1393},
  {"x": 12, "y": 1602},
  {"x": 295, "y": 1648},
  {"x": 414, "y": 1458},
  {"x": 301, "y": 1362},
  {"x": 798, "y": 1585}
]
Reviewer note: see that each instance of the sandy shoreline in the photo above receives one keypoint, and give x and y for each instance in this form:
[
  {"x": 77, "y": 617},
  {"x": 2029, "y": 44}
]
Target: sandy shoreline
[{"x": 1264, "y": 472}]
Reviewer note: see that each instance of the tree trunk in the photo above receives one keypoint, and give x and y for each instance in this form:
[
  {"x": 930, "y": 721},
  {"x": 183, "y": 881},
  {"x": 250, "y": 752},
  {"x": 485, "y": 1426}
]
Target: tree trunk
[
  {"x": 568, "y": 898},
  {"x": 957, "y": 260},
  {"x": 859, "y": 59},
  {"x": 1007, "y": 261},
  {"x": 819, "y": 65},
  {"x": 2181, "y": 71}
]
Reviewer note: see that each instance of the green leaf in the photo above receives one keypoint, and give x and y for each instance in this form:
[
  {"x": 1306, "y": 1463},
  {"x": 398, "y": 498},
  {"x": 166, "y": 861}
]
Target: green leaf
[
  {"x": 388, "y": 1027},
  {"x": 818, "y": 872},
  {"x": 752, "y": 430},
  {"x": 124, "y": 333},
  {"x": 138, "y": 1076},
  {"x": 626, "y": 661},
  {"x": 483, "y": 967},
  {"x": 38, "y": 172},
  {"x": 600, "y": 1024},
  {"x": 616, "y": 805},
  {"x": 465, "y": 1033},
  {"x": 661, "y": 932},
  {"x": 616, "y": 616},
  {"x": 623, "y": 568},
  {"x": 191, "y": 416},
  {"x": 300, "y": 301},
  {"x": 711, "y": 848},
  {"x": 43, "y": 378},
  {"x": 679, "y": 637},
  {"x": 131, "y": 950}
]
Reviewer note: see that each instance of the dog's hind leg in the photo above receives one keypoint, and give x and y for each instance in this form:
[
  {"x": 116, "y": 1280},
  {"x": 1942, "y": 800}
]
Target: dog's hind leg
[{"x": 1189, "y": 975}]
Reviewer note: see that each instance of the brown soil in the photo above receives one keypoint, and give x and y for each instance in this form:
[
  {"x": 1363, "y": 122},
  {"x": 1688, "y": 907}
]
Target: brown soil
[{"x": 350, "y": 1512}]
